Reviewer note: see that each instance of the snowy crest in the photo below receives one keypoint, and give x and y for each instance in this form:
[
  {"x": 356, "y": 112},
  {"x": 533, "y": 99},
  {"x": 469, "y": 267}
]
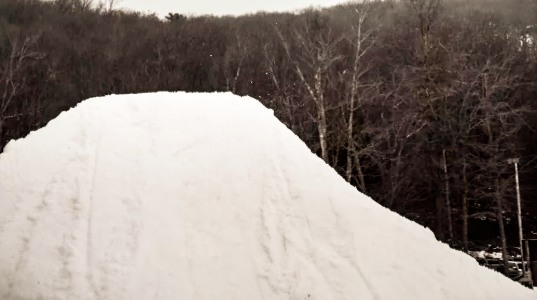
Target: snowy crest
[{"x": 205, "y": 196}]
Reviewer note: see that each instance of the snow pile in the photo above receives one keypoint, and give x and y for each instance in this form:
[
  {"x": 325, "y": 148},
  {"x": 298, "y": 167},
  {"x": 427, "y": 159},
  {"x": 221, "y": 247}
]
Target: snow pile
[{"x": 205, "y": 196}]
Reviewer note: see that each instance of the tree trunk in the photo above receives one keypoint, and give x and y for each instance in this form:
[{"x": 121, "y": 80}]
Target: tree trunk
[
  {"x": 321, "y": 114},
  {"x": 439, "y": 214},
  {"x": 354, "y": 89},
  {"x": 351, "y": 149},
  {"x": 464, "y": 206},
  {"x": 237, "y": 74},
  {"x": 350, "y": 140},
  {"x": 316, "y": 94},
  {"x": 361, "y": 182},
  {"x": 448, "y": 204},
  {"x": 500, "y": 223},
  {"x": 394, "y": 178}
]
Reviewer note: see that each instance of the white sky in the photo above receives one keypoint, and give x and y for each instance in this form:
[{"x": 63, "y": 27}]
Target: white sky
[{"x": 220, "y": 7}]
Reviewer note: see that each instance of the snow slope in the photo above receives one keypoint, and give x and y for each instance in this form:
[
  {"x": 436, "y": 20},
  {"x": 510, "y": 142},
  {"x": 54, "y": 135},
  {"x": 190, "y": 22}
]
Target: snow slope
[{"x": 205, "y": 196}]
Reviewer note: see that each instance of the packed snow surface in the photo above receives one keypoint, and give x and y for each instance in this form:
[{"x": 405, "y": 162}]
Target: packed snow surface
[{"x": 205, "y": 196}]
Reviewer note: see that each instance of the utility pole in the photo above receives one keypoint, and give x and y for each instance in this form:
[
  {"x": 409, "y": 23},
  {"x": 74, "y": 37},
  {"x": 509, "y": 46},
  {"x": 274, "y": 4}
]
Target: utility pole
[{"x": 515, "y": 162}]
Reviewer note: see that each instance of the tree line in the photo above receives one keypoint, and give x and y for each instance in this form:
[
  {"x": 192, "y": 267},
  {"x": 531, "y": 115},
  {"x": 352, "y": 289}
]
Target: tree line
[{"x": 417, "y": 103}]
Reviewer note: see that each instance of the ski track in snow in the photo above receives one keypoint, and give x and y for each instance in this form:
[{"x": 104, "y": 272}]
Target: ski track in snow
[{"x": 89, "y": 244}]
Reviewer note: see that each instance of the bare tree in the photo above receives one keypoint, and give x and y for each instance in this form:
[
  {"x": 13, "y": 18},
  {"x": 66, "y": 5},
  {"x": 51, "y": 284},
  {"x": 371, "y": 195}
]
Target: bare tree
[
  {"x": 485, "y": 123},
  {"x": 318, "y": 54},
  {"x": 391, "y": 135},
  {"x": 427, "y": 13},
  {"x": 82, "y": 5},
  {"x": 358, "y": 70},
  {"x": 237, "y": 50},
  {"x": 70, "y": 6},
  {"x": 288, "y": 109},
  {"x": 501, "y": 116},
  {"x": 109, "y": 6},
  {"x": 112, "y": 4},
  {"x": 12, "y": 77}
]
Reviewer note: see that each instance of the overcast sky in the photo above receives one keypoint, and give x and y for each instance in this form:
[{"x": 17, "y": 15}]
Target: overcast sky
[{"x": 220, "y": 7}]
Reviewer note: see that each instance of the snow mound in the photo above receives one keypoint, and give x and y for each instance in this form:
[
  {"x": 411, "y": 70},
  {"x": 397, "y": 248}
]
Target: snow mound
[{"x": 205, "y": 196}]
